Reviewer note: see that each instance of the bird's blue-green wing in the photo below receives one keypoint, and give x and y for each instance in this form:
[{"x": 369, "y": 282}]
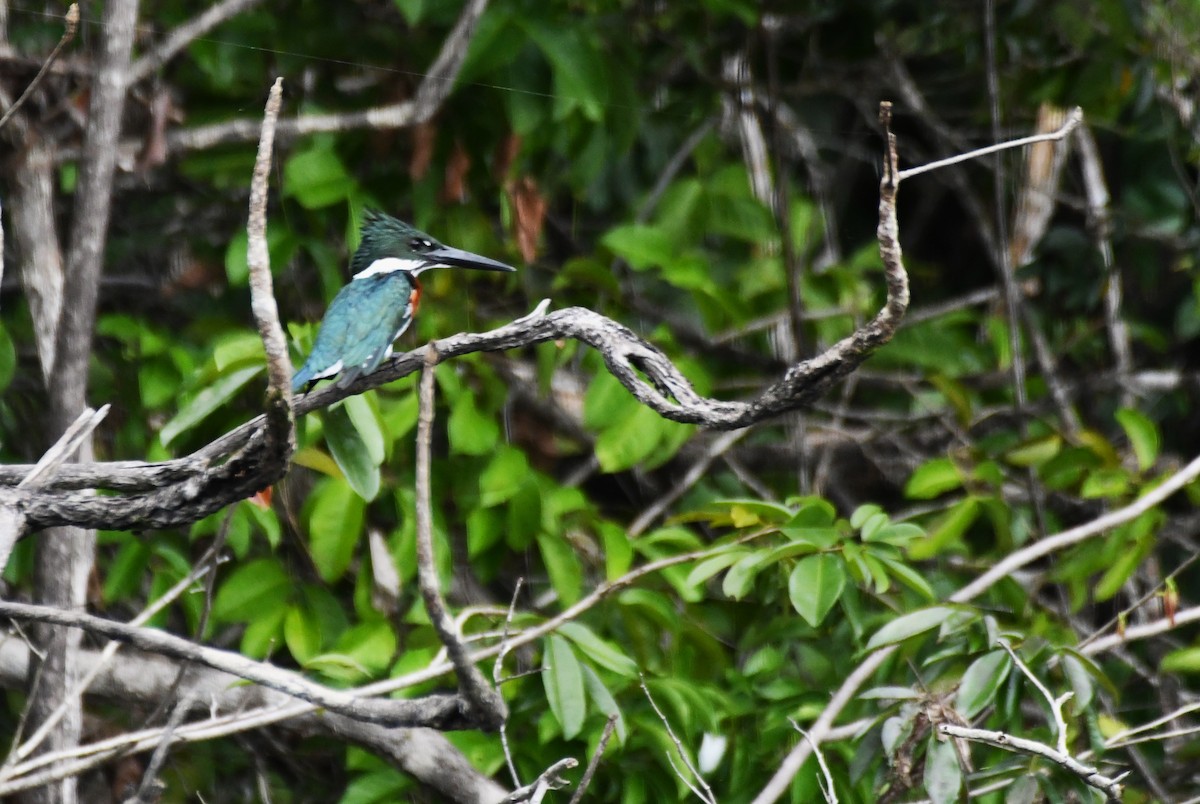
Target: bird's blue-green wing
[{"x": 359, "y": 326}]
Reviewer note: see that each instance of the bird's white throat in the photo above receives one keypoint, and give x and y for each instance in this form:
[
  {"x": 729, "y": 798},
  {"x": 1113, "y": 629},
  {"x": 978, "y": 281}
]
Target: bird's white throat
[{"x": 389, "y": 265}]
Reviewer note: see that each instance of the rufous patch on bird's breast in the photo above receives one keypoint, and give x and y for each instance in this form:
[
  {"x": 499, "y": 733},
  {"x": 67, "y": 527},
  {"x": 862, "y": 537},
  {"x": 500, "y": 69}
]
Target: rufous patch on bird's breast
[{"x": 414, "y": 296}]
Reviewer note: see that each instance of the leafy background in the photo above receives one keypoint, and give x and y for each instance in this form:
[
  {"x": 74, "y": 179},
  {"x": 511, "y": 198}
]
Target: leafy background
[{"x": 595, "y": 143}]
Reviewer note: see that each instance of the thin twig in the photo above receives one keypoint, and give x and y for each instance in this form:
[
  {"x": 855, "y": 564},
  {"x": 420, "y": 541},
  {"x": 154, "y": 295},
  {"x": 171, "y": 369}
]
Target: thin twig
[
  {"x": 827, "y": 787},
  {"x": 699, "y": 787},
  {"x": 549, "y": 779},
  {"x": 1110, "y": 786},
  {"x": 496, "y": 680},
  {"x": 1074, "y": 118},
  {"x": 72, "y": 24},
  {"x": 1060, "y": 723},
  {"x": 594, "y": 762},
  {"x": 185, "y": 34}
]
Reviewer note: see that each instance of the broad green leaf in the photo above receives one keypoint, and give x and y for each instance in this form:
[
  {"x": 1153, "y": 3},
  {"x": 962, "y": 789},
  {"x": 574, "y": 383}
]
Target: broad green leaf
[
  {"x": 126, "y": 570},
  {"x": 372, "y": 644},
  {"x": 948, "y": 530},
  {"x": 873, "y": 524},
  {"x": 943, "y": 774},
  {"x": 741, "y": 575},
  {"x": 711, "y": 566},
  {"x": 1035, "y": 453},
  {"x": 250, "y": 589},
  {"x": 599, "y": 651},
  {"x": 1022, "y": 791},
  {"x": 604, "y": 700},
  {"x": 909, "y": 625},
  {"x": 909, "y": 576},
  {"x": 1184, "y": 660},
  {"x": 503, "y": 477},
  {"x": 1105, "y": 482},
  {"x": 562, "y": 565},
  {"x": 1142, "y": 434},
  {"x": 334, "y": 528},
  {"x": 352, "y": 455},
  {"x": 641, "y": 246},
  {"x": 471, "y": 432},
  {"x": 626, "y": 444},
  {"x": 932, "y": 479},
  {"x": 316, "y": 178},
  {"x": 366, "y": 423},
  {"x": 578, "y": 69},
  {"x": 618, "y": 550},
  {"x": 897, "y": 533},
  {"x": 301, "y": 633},
  {"x": 563, "y": 680},
  {"x": 208, "y": 400},
  {"x": 381, "y": 786},
  {"x": 262, "y": 634},
  {"x": 981, "y": 681},
  {"x": 815, "y": 585},
  {"x": 1081, "y": 681}
]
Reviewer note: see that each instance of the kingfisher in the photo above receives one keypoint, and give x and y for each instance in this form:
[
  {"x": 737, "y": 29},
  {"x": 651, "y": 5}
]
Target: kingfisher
[{"x": 371, "y": 312}]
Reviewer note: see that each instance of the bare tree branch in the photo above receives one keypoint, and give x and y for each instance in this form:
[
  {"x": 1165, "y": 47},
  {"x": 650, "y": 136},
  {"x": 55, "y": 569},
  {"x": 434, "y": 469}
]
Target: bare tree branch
[
  {"x": 71, "y": 19},
  {"x": 484, "y": 704},
  {"x": 185, "y": 34},
  {"x": 434, "y": 711},
  {"x": 1111, "y": 787}
]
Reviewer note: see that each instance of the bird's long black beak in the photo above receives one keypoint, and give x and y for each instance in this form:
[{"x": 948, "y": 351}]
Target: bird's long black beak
[{"x": 457, "y": 258}]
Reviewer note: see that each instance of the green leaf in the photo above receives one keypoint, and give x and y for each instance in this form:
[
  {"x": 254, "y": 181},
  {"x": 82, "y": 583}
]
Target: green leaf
[
  {"x": 8, "y": 358},
  {"x": 562, "y": 565},
  {"x": 641, "y": 246},
  {"x": 503, "y": 477},
  {"x": 352, "y": 455},
  {"x": 1184, "y": 660},
  {"x": 1035, "y": 453},
  {"x": 1142, "y": 434},
  {"x": 932, "y": 479},
  {"x": 815, "y": 585},
  {"x": 948, "y": 531},
  {"x": 126, "y": 570},
  {"x": 251, "y": 589},
  {"x": 316, "y": 178},
  {"x": 563, "y": 680},
  {"x": 334, "y": 527},
  {"x": 909, "y": 625},
  {"x": 301, "y": 634},
  {"x": 366, "y": 423},
  {"x": 741, "y": 575},
  {"x": 909, "y": 576},
  {"x": 618, "y": 550},
  {"x": 578, "y": 69},
  {"x": 381, "y": 786},
  {"x": 599, "y": 651},
  {"x": 470, "y": 432},
  {"x": 981, "y": 681},
  {"x": 1081, "y": 681},
  {"x": 604, "y": 700},
  {"x": 711, "y": 566},
  {"x": 629, "y": 442},
  {"x": 943, "y": 774},
  {"x": 1105, "y": 482},
  {"x": 372, "y": 644},
  {"x": 208, "y": 400}
]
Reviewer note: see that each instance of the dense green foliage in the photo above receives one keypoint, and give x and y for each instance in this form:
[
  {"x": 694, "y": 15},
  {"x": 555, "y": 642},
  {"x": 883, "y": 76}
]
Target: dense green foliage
[{"x": 828, "y": 535}]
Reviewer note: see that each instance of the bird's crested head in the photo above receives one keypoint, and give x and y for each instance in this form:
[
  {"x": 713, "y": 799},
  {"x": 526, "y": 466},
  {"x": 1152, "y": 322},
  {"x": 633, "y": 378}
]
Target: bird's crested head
[{"x": 407, "y": 248}]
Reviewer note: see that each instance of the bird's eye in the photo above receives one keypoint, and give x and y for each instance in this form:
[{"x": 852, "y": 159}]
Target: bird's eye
[{"x": 420, "y": 244}]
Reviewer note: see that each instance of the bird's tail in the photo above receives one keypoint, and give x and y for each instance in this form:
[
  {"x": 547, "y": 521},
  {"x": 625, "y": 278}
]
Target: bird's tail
[{"x": 302, "y": 378}]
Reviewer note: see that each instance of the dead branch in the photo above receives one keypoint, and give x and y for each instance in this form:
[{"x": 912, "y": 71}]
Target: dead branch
[{"x": 482, "y": 702}]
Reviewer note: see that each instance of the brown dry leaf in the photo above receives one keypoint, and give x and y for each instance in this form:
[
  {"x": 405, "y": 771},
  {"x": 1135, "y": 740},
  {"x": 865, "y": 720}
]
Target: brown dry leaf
[
  {"x": 423, "y": 137},
  {"x": 454, "y": 187},
  {"x": 529, "y": 215},
  {"x": 506, "y": 154}
]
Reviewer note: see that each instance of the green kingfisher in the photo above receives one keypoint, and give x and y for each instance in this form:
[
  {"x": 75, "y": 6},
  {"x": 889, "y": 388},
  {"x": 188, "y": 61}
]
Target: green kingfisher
[{"x": 371, "y": 312}]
